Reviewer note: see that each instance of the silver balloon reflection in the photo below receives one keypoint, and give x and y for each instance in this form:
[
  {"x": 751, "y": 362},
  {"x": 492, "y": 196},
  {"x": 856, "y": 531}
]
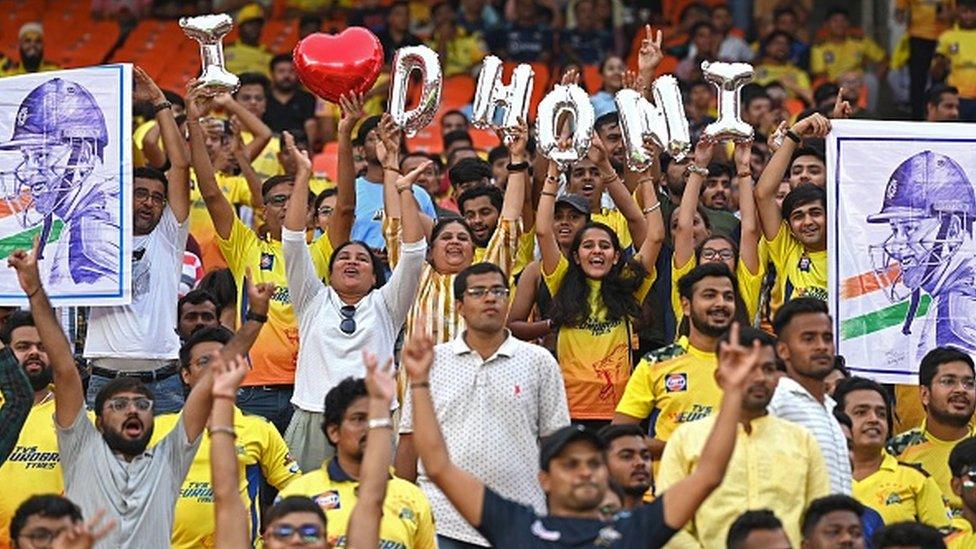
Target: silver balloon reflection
[
  {"x": 562, "y": 100},
  {"x": 729, "y": 79},
  {"x": 209, "y": 31},
  {"x": 405, "y": 61},
  {"x": 491, "y": 93},
  {"x": 663, "y": 121}
]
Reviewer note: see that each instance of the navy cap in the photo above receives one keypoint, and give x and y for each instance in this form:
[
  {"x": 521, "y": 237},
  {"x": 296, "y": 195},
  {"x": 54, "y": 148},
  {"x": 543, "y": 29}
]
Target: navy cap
[
  {"x": 553, "y": 444},
  {"x": 575, "y": 201}
]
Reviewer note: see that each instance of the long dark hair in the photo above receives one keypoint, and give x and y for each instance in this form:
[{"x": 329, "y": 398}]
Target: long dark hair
[{"x": 571, "y": 305}]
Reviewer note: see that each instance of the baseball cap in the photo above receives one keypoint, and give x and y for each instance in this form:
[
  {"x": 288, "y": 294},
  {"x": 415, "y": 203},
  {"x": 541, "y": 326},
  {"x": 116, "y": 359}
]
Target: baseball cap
[
  {"x": 365, "y": 127},
  {"x": 554, "y": 444},
  {"x": 576, "y": 202},
  {"x": 250, "y": 12},
  {"x": 30, "y": 28}
]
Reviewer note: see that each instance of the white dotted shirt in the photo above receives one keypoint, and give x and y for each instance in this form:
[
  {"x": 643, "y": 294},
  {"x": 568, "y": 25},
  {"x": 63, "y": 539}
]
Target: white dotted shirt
[{"x": 492, "y": 413}]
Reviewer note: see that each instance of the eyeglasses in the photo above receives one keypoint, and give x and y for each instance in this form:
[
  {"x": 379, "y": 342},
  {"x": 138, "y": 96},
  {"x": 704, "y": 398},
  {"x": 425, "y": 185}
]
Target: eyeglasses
[
  {"x": 42, "y": 536},
  {"x": 143, "y": 195},
  {"x": 121, "y": 404},
  {"x": 950, "y": 382},
  {"x": 348, "y": 324},
  {"x": 325, "y": 210},
  {"x": 479, "y": 292},
  {"x": 307, "y": 533},
  {"x": 276, "y": 200},
  {"x": 710, "y": 254}
]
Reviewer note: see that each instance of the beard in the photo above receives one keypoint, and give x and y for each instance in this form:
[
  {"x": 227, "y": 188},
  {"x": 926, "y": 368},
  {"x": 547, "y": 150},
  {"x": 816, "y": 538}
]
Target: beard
[
  {"x": 128, "y": 447},
  {"x": 702, "y": 324},
  {"x": 944, "y": 416},
  {"x": 40, "y": 380}
]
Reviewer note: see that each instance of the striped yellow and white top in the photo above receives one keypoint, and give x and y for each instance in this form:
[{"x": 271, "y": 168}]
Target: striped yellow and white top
[{"x": 435, "y": 296}]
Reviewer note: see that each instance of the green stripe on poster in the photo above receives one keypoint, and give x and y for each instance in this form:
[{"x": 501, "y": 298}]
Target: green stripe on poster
[
  {"x": 881, "y": 319},
  {"x": 25, "y": 240}
]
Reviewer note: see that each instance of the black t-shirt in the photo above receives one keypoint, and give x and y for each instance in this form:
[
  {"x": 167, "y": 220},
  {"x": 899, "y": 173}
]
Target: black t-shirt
[
  {"x": 291, "y": 115},
  {"x": 505, "y": 523}
]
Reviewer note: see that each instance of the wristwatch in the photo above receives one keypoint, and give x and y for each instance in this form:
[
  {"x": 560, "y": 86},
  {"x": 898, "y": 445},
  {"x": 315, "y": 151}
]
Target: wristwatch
[{"x": 251, "y": 315}]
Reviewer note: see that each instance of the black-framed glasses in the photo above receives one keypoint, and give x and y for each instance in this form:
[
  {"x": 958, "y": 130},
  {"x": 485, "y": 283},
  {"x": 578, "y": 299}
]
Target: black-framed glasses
[
  {"x": 325, "y": 210},
  {"x": 143, "y": 195},
  {"x": 121, "y": 404},
  {"x": 348, "y": 323},
  {"x": 42, "y": 536},
  {"x": 307, "y": 533},
  {"x": 276, "y": 200},
  {"x": 480, "y": 292},
  {"x": 711, "y": 253}
]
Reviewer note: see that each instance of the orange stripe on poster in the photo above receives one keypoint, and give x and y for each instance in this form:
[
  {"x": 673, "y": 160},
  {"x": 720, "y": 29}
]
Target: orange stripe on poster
[{"x": 868, "y": 282}]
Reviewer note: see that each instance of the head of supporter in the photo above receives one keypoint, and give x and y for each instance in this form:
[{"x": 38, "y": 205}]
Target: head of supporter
[
  {"x": 457, "y": 139},
  {"x": 756, "y": 107},
  {"x": 908, "y": 535},
  {"x": 30, "y": 43},
  {"x": 612, "y": 72},
  {"x": 309, "y": 24},
  {"x": 962, "y": 464},
  {"x": 759, "y": 156},
  {"x": 148, "y": 199},
  {"x": 762, "y": 383},
  {"x": 607, "y": 127},
  {"x": 481, "y": 294},
  {"x": 583, "y": 179},
  {"x": 21, "y": 336},
  {"x": 805, "y": 210},
  {"x": 838, "y": 374},
  {"x": 703, "y": 37},
  {"x": 571, "y": 214},
  {"x": 701, "y": 225},
  {"x": 468, "y": 173},
  {"x": 198, "y": 349},
  {"x": 284, "y": 77},
  {"x": 324, "y": 205},
  {"x": 806, "y": 338},
  {"x": 498, "y": 160},
  {"x": 354, "y": 270},
  {"x": 785, "y": 19},
  {"x": 869, "y": 407},
  {"x": 628, "y": 461},
  {"x": 452, "y": 121},
  {"x": 776, "y": 48},
  {"x": 833, "y": 521},
  {"x": 701, "y": 95},
  {"x": 942, "y": 103},
  {"x": 220, "y": 284},
  {"x": 573, "y": 472},
  {"x": 250, "y": 23},
  {"x": 808, "y": 166},
  {"x": 708, "y": 303},
  {"x": 481, "y": 207},
  {"x": 295, "y": 521},
  {"x": 947, "y": 388},
  {"x": 759, "y": 529},
  {"x": 718, "y": 249},
  {"x": 452, "y": 245},
  {"x": 195, "y": 311},
  {"x": 346, "y": 411},
  {"x": 124, "y": 415},
  {"x": 253, "y": 93},
  {"x": 41, "y": 519},
  {"x": 286, "y": 160},
  {"x": 717, "y": 192},
  {"x": 430, "y": 179},
  {"x": 459, "y": 153},
  {"x": 276, "y": 191}
]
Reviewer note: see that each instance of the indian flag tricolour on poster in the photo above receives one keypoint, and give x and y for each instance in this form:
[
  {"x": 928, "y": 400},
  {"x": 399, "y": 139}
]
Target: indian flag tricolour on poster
[{"x": 901, "y": 211}]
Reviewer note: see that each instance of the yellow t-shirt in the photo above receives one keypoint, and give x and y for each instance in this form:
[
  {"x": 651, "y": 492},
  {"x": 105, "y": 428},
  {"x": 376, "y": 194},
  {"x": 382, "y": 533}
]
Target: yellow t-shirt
[
  {"x": 616, "y": 221},
  {"x": 788, "y": 73},
  {"x": 261, "y": 454},
  {"x": 923, "y": 17},
  {"x": 836, "y": 58},
  {"x": 959, "y": 46},
  {"x": 900, "y": 493},
  {"x": 275, "y": 353},
  {"x": 240, "y": 58},
  {"x": 463, "y": 52},
  {"x": 798, "y": 273},
  {"x": 266, "y": 162},
  {"x": 236, "y": 191},
  {"x": 962, "y": 537},
  {"x": 595, "y": 356},
  {"x": 14, "y": 68},
  {"x": 749, "y": 287},
  {"x": 407, "y": 520},
  {"x": 138, "y": 158},
  {"x": 676, "y": 382},
  {"x": 918, "y": 447}
]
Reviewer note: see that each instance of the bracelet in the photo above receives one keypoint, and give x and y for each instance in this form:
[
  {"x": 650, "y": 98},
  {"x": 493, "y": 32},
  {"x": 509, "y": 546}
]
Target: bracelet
[
  {"x": 379, "y": 423},
  {"x": 608, "y": 178},
  {"x": 745, "y": 174},
  {"x": 256, "y": 317},
  {"x": 225, "y": 430},
  {"x": 420, "y": 385},
  {"x": 225, "y": 397},
  {"x": 402, "y": 188},
  {"x": 32, "y": 294},
  {"x": 695, "y": 168},
  {"x": 548, "y": 193},
  {"x": 518, "y": 167},
  {"x": 160, "y": 107},
  {"x": 652, "y": 209},
  {"x": 645, "y": 180},
  {"x": 389, "y": 169},
  {"x": 792, "y": 135}
]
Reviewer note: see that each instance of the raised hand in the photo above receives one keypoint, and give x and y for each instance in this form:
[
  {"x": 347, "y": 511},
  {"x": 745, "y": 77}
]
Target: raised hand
[
  {"x": 736, "y": 363},
  {"x": 258, "y": 295},
  {"x": 227, "y": 374},
  {"x": 390, "y": 137},
  {"x": 650, "y": 54},
  {"x": 775, "y": 139},
  {"x": 222, "y": 100},
  {"x": 572, "y": 76},
  {"x": 144, "y": 88},
  {"x": 517, "y": 141},
  {"x": 704, "y": 150},
  {"x": 598, "y": 154},
  {"x": 410, "y": 177},
  {"x": 815, "y": 125},
  {"x": 303, "y": 165},
  {"x": 380, "y": 383},
  {"x": 742, "y": 155},
  {"x": 634, "y": 81},
  {"x": 352, "y": 111},
  {"x": 84, "y": 535},
  {"x": 418, "y": 354},
  {"x": 197, "y": 104},
  {"x": 25, "y": 263},
  {"x": 842, "y": 107}
]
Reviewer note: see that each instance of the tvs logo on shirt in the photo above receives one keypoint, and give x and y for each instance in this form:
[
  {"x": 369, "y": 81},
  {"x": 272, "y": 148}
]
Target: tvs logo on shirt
[
  {"x": 267, "y": 262},
  {"x": 676, "y": 383},
  {"x": 329, "y": 500}
]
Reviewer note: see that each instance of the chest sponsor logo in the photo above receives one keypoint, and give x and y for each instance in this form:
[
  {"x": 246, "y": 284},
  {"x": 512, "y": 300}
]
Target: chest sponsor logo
[
  {"x": 893, "y": 499},
  {"x": 540, "y": 531},
  {"x": 607, "y": 537},
  {"x": 201, "y": 492},
  {"x": 267, "y": 262},
  {"x": 32, "y": 458},
  {"x": 697, "y": 411},
  {"x": 676, "y": 383},
  {"x": 828, "y": 57},
  {"x": 329, "y": 500},
  {"x": 954, "y": 48}
]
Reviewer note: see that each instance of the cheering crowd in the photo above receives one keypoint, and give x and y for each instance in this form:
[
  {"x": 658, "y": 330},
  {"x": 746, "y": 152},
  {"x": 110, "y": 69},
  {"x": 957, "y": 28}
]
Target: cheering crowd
[{"x": 472, "y": 346}]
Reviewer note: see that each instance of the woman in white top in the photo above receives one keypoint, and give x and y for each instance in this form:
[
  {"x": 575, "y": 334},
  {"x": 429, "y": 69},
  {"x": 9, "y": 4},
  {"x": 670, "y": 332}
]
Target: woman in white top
[{"x": 337, "y": 322}]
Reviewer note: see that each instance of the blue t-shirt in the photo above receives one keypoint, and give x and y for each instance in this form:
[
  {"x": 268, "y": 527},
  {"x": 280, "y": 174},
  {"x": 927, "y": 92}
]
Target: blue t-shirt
[
  {"x": 589, "y": 47},
  {"x": 521, "y": 44},
  {"x": 368, "y": 226},
  {"x": 505, "y": 523}
]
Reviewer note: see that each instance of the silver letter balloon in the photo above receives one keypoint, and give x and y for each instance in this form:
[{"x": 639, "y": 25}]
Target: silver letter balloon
[
  {"x": 729, "y": 79},
  {"x": 405, "y": 61},
  {"x": 564, "y": 99},
  {"x": 491, "y": 93},
  {"x": 209, "y": 31},
  {"x": 664, "y": 122}
]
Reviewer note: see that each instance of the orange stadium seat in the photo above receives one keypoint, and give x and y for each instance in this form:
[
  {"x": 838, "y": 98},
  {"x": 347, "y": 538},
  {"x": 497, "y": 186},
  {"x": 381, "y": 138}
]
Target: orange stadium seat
[
  {"x": 458, "y": 91},
  {"x": 592, "y": 81},
  {"x": 327, "y": 162}
]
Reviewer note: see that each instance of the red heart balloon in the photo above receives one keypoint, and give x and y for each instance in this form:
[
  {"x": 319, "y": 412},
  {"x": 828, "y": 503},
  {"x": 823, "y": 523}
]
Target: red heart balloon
[{"x": 334, "y": 65}]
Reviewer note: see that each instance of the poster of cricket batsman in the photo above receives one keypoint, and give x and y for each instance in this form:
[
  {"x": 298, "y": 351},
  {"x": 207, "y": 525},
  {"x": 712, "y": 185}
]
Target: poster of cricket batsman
[
  {"x": 901, "y": 207},
  {"x": 65, "y": 177}
]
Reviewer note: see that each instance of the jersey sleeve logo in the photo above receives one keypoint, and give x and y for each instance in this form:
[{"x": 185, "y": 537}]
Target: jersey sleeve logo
[
  {"x": 329, "y": 500},
  {"x": 676, "y": 383},
  {"x": 267, "y": 261}
]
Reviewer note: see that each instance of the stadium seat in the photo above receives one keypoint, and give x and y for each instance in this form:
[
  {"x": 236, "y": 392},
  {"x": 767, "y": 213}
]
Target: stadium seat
[{"x": 327, "y": 162}]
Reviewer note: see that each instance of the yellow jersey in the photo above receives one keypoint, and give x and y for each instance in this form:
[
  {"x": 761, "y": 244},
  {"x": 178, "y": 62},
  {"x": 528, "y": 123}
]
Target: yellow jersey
[
  {"x": 13, "y": 68},
  {"x": 787, "y": 73},
  {"x": 836, "y": 58},
  {"x": 676, "y": 383},
  {"x": 266, "y": 162},
  {"x": 919, "y": 448},
  {"x": 275, "y": 352},
  {"x": 240, "y": 58},
  {"x": 407, "y": 521},
  {"x": 959, "y": 46},
  {"x": 798, "y": 273},
  {"x": 138, "y": 158},
  {"x": 962, "y": 536},
  {"x": 902, "y": 493},
  {"x": 235, "y": 190},
  {"x": 595, "y": 356},
  {"x": 616, "y": 221},
  {"x": 923, "y": 16}
]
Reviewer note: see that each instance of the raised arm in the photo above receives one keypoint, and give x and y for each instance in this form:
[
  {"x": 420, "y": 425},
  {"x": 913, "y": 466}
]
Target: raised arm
[
  {"x": 18, "y": 396},
  {"x": 736, "y": 368},
  {"x": 683, "y": 235},
  {"x": 178, "y": 188},
  {"x": 297, "y": 212},
  {"x": 618, "y": 190},
  {"x": 651, "y": 246},
  {"x": 514, "y": 201},
  {"x": 522, "y": 305},
  {"x": 548, "y": 246},
  {"x": 259, "y": 130},
  {"x": 252, "y": 177},
  {"x": 258, "y": 300},
  {"x": 344, "y": 214},
  {"x": 749, "y": 231},
  {"x": 69, "y": 397},
  {"x": 649, "y": 57},
  {"x": 364, "y": 521},
  {"x": 465, "y": 492},
  {"x": 230, "y": 515},
  {"x": 220, "y": 209}
]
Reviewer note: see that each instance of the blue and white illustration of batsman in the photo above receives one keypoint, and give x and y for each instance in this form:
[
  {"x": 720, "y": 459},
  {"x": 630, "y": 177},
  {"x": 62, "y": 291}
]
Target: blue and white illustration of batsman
[
  {"x": 60, "y": 133},
  {"x": 930, "y": 205}
]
